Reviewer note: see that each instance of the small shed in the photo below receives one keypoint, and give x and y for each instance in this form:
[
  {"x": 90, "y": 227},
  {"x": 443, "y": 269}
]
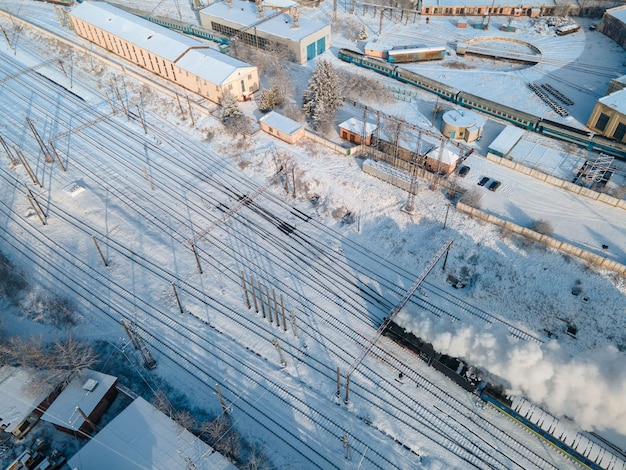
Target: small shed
[
  {"x": 357, "y": 132},
  {"x": 25, "y": 394},
  {"x": 505, "y": 142},
  {"x": 82, "y": 403},
  {"x": 441, "y": 160},
  {"x": 282, "y": 127},
  {"x": 462, "y": 124}
]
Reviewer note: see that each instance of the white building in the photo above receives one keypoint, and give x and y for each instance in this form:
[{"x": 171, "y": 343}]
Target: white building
[
  {"x": 276, "y": 22},
  {"x": 186, "y": 61},
  {"x": 143, "y": 437}
]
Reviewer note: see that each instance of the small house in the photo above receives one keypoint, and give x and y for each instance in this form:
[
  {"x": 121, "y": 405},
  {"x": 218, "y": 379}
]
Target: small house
[
  {"x": 356, "y": 131},
  {"x": 79, "y": 407},
  {"x": 282, "y": 127},
  {"x": 25, "y": 394}
]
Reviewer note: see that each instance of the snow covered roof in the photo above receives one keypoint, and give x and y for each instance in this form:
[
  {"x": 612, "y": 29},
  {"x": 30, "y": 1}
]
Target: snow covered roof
[
  {"x": 616, "y": 100},
  {"x": 377, "y": 46},
  {"x": 506, "y": 140},
  {"x": 485, "y": 3},
  {"x": 86, "y": 390},
  {"x": 618, "y": 13},
  {"x": 21, "y": 391},
  {"x": 355, "y": 126},
  {"x": 218, "y": 68},
  {"x": 143, "y": 437},
  {"x": 149, "y": 36},
  {"x": 462, "y": 118},
  {"x": 280, "y": 4},
  {"x": 245, "y": 15},
  {"x": 280, "y": 122}
]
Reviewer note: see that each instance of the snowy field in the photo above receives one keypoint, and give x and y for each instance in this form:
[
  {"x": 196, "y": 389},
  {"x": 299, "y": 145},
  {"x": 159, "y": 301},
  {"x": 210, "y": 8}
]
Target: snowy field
[{"x": 336, "y": 250}]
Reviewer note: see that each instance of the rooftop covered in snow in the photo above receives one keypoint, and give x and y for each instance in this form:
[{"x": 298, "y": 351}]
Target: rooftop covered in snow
[
  {"x": 21, "y": 391},
  {"x": 246, "y": 16},
  {"x": 86, "y": 391},
  {"x": 143, "y": 437},
  {"x": 149, "y": 36},
  {"x": 280, "y": 122}
]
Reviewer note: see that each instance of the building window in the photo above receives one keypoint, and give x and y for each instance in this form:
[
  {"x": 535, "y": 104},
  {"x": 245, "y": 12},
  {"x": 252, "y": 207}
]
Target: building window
[
  {"x": 602, "y": 121},
  {"x": 230, "y": 87},
  {"x": 620, "y": 132}
]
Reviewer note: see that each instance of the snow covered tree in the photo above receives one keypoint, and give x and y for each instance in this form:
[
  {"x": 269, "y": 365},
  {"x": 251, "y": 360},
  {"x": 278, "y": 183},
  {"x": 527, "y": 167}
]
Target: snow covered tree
[
  {"x": 321, "y": 100},
  {"x": 230, "y": 107},
  {"x": 266, "y": 100}
]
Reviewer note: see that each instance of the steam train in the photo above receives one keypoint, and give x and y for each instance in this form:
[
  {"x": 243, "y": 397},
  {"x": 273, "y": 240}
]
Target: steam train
[
  {"x": 516, "y": 117},
  {"x": 586, "y": 449}
]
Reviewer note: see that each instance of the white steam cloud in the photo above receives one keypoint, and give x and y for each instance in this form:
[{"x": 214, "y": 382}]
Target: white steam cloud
[{"x": 589, "y": 388}]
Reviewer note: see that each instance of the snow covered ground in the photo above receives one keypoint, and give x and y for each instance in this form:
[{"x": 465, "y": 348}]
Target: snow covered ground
[{"x": 145, "y": 196}]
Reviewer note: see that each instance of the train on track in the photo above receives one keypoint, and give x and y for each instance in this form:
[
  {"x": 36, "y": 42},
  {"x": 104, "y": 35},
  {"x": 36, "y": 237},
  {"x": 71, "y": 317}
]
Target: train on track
[
  {"x": 516, "y": 117},
  {"x": 586, "y": 449}
]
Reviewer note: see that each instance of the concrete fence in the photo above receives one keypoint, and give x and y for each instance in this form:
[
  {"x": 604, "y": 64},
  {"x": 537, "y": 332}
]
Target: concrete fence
[
  {"x": 574, "y": 188},
  {"x": 350, "y": 151},
  {"x": 564, "y": 247}
]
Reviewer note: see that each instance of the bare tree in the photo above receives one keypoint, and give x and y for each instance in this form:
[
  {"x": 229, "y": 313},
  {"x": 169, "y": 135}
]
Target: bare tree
[{"x": 222, "y": 436}]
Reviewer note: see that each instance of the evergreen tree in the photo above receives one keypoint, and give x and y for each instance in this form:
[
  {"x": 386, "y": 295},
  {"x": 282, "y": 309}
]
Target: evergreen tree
[
  {"x": 230, "y": 107},
  {"x": 266, "y": 100},
  {"x": 321, "y": 100}
]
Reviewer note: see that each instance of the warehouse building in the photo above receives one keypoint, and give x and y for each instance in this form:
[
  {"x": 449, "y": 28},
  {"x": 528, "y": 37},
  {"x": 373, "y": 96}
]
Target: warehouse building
[
  {"x": 269, "y": 24},
  {"x": 608, "y": 117},
  {"x": 183, "y": 60}
]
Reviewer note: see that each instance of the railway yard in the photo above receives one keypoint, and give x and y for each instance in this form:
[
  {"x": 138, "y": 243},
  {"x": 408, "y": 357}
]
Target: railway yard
[{"x": 188, "y": 229}]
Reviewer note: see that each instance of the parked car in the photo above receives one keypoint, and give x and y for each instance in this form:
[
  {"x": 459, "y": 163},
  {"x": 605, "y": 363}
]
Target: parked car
[
  {"x": 494, "y": 185},
  {"x": 464, "y": 170},
  {"x": 483, "y": 181}
]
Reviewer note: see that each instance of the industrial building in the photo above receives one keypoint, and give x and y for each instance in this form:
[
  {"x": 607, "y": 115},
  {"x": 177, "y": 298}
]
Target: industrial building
[
  {"x": 269, "y": 24},
  {"x": 183, "y": 60}
]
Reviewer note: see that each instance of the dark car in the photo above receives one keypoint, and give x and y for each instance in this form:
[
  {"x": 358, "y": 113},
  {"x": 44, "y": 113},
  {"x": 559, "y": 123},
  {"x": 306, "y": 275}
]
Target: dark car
[
  {"x": 464, "y": 170},
  {"x": 483, "y": 181},
  {"x": 494, "y": 185}
]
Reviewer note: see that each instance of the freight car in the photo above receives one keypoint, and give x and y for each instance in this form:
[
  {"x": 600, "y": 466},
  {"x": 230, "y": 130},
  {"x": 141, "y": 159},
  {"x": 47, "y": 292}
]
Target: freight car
[
  {"x": 583, "y": 450},
  {"x": 567, "y": 29},
  {"x": 415, "y": 54},
  {"x": 521, "y": 119}
]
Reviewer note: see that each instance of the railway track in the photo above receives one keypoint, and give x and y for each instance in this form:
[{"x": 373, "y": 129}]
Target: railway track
[{"x": 318, "y": 261}]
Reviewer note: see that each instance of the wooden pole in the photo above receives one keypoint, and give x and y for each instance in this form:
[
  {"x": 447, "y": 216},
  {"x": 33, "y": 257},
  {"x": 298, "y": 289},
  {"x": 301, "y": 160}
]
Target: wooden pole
[
  {"x": 8, "y": 151},
  {"x": 256, "y": 305},
  {"x": 43, "y": 213},
  {"x": 56, "y": 154},
  {"x": 143, "y": 122},
  {"x": 445, "y": 260},
  {"x": 338, "y": 383},
  {"x": 245, "y": 289},
  {"x": 180, "y": 306},
  {"x": 100, "y": 251},
  {"x": 27, "y": 167},
  {"x": 275, "y": 307},
  {"x": 293, "y": 184},
  {"x": 195, "y": 252},
  {"x": 32, "y": 204},
  {"x": 193, "y": 122},
  {"x": 282, "y": 307},
  {"x": 346, "y": 401},
  {"x": 269, "y": 303},
  {"x": 222, "y": 402},
  {"x": 86, "y": 418},
  {"x": 180, "y": 106},
  {"x": 261, "y": 298},
  {"x": 293, "y": 322}
]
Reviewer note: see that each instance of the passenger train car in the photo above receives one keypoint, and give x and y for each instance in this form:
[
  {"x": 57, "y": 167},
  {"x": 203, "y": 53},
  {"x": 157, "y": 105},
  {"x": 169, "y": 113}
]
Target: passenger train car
[
  {"x": 519, "y": 118},
  {"x": 415, "y": 54}
]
